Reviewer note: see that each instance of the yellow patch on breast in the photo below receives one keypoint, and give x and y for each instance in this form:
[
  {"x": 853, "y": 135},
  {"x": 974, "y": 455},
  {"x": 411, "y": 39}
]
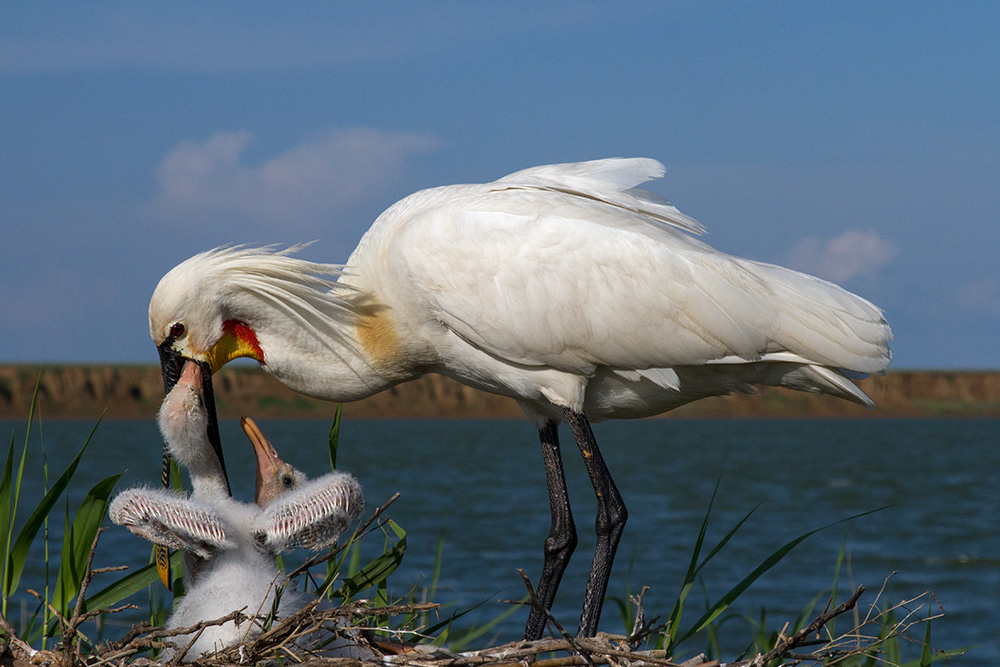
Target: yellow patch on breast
[{"x": 378, "y": 336}]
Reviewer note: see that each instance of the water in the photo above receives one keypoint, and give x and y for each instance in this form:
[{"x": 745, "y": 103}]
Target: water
[{"x": 478, "y": 486}]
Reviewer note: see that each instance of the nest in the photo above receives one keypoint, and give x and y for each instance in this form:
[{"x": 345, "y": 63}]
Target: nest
[{"x": 306, "y": 636}]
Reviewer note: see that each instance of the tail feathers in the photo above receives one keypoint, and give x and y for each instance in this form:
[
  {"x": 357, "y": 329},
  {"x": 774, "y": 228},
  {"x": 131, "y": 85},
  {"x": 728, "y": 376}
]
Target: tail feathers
[
  {"x": 817, "y": 380},
  {"x": 825, "y": 323}
]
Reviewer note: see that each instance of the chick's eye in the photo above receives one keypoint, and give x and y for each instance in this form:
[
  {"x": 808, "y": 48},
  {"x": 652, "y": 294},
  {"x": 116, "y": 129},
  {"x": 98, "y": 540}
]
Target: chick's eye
[
  {"x": 287, "y": 481},
  {"x": 176, "y": 330}
]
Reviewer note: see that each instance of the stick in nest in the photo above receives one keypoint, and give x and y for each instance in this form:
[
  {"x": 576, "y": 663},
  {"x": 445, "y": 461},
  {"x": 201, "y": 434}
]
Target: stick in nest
[{"x": 70, "y": 627}]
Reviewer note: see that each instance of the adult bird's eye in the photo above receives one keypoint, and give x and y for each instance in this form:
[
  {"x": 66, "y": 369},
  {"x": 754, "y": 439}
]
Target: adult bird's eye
[
  {"x": 176, "y": 330},
  {"x": 287, "y": 481}
]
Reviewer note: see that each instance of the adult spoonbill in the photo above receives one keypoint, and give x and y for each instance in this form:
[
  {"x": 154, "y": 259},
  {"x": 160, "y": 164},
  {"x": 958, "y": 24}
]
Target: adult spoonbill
[
  {"x": 233, "y": 544},
  {"x": 561, "y": 286}
]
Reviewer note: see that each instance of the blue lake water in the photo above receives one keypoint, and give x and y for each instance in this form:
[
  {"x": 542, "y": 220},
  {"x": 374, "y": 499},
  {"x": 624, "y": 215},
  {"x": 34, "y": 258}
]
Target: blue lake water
[{"x": 478, "y": 486}]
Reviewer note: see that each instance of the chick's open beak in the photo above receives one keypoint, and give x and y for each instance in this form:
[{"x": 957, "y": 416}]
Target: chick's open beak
[{"x": 267, "y": 458}]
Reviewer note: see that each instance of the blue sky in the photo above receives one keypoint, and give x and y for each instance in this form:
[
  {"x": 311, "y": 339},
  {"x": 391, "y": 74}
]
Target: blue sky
[{"x": 858, "y": 141}]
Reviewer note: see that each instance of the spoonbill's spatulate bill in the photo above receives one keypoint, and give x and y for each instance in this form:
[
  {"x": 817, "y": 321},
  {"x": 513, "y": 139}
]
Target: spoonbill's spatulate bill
[
  {"x": 232, "y": 545},
  {"x": 561, "y": 286}
]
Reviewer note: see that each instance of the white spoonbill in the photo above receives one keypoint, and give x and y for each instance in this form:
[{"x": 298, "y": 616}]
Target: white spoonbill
[
  {"x": 561, "y": 286},
  {"x": 233, "y": 544}
]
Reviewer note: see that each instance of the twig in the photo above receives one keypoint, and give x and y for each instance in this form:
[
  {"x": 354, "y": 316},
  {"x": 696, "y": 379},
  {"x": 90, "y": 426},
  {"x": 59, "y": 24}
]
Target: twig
[
  {"x": 184, "y": 651},
  {"x": 548, "y": 615},
  {"x": 799, "y": 638},
  {"x": 303, "y": 623},
  {"x": 55, "y": 612},
  {"x": 133, "y": 641},
  {"x": 13, "y": 639},
  {"x": 136, "y": 630},
  {"x": 641, "y": 629},
  {"x": 519, "y": 654},
  {"x": 640, "y": 615},
  {"x": 88, "y": 576}
]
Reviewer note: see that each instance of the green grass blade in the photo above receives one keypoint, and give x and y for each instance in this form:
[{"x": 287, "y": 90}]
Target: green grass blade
[
  {"x": 130, "y": 584},
  {"x": 436, "y": 576},
  {"x": 375, "y": 572},
  {"x": 80, "y": 539},
  {"x": 725, "y": 540},
  {"x": 926, "y": 653},
  {"x": 176, "y": 480},
  {"x": 334, "y": 438},
  {"x": 832, "y": 624},
  {"x": 24, "y": 458},
  {"x": 689, "y": 580},
  {"x": 9, "y": 561},
  {"x": 462, "y": 642},
  {"x": 15, "y": 557},
  {"x": 692, "y": 572},
  {"x": 6, "y": 520},
  {"x": 27, "y": 535},
  {"x": 47, "y": 616},
  {"x": 772, "y": 560}
]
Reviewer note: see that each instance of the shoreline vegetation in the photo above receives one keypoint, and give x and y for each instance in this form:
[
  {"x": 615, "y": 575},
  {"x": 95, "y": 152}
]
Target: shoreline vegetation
[{"x": 78, "y": 391}]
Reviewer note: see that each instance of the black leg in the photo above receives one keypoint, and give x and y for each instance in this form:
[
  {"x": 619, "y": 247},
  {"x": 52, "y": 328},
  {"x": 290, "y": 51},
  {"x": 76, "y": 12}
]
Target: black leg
[
  {"x": 611, "y": 517},
  {"x": 561, "y": 541}
]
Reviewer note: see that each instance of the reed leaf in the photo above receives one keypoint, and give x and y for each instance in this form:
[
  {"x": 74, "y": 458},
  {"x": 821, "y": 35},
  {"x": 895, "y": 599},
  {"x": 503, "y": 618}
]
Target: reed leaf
[
  {"x": 772, "y": 560},
  {"x": 674, "y": 619},
  {"x": 10, "y": 513},
  {"x": 19, "y": 552},
  {"x": 130, "y": 584},
  {"x": 926, "y": 653},
  {"x": 695, "y": 567},
  {"x": 5, "y": 515},
  {"x": 465, "y": 639},
  {"x": 79, "y": 539},
  {"x": 375, "y": 572},
  {"x": 334, "y": 438}
]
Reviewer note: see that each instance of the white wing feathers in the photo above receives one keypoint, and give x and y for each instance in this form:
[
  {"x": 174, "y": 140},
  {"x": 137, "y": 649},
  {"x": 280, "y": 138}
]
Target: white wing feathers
[
  {"x": 611, "y": 181},
  {"x": 170, "y": 521},
  {"x": 313, "y": 516},
  {"x": 543, "y": 268}
]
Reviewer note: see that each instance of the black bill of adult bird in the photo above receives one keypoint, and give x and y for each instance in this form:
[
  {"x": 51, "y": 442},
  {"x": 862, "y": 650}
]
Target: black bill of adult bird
[
  {"x": 562, "y": 286},
  {"x": 172, "y": 366}
]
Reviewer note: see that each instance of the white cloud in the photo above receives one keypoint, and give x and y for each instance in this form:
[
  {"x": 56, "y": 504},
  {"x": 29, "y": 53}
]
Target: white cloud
[
  {"x": 302, "y": 186},
  {"x": 981, "y": 296},
  {"x": 854, "y": 253}
]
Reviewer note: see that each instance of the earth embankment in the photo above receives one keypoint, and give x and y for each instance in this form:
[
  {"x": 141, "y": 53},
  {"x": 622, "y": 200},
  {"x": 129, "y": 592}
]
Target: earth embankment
[{"x": 135, "y": 392}]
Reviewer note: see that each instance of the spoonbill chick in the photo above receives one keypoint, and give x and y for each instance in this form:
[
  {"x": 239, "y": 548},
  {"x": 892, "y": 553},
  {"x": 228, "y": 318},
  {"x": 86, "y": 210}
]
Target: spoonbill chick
[{"x": 237, "y": 542}]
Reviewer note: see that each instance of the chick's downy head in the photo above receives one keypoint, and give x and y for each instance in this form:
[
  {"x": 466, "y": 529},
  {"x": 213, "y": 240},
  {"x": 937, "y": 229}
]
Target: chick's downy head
[
  {"x": 183, "y": 418},
  {"x": 274, "y": 476}
]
